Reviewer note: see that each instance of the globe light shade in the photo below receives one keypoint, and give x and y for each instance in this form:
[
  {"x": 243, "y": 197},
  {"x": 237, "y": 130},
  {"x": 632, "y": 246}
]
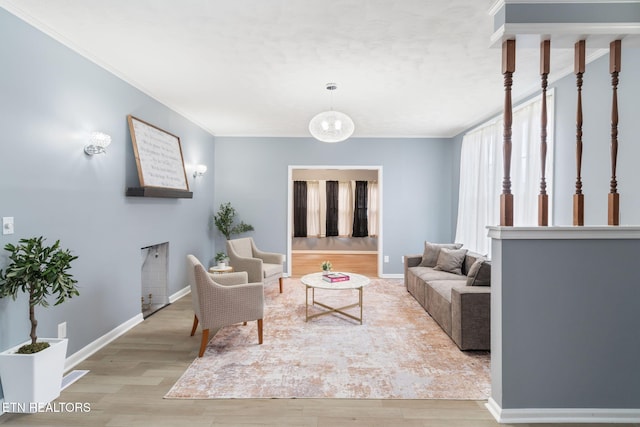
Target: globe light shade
[{"x": 331, "y": 126}]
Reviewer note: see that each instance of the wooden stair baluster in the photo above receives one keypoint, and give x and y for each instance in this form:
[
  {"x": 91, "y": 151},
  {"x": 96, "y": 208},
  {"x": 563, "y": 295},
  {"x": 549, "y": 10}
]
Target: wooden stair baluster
[
  {"x": 614, "y": 68},
  {"x": 508, "y": 68},
  {"x": 543, "y": 197},
  {"x": 578, "y": 197}
]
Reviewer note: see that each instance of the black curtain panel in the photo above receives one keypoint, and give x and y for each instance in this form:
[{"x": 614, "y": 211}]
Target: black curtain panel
[
  {"x": 360, "y": 226},
  {"x": 299, "y": 209},
  {"x": 332, "y": 208}
]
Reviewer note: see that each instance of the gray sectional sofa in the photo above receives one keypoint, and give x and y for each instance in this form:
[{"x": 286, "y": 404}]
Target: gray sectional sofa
[{"x": 453, "y": 286}]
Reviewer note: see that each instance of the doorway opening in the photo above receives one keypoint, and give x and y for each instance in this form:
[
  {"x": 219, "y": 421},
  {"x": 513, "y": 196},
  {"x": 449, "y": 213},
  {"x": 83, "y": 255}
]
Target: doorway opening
[{"x": 361, "y": 254}]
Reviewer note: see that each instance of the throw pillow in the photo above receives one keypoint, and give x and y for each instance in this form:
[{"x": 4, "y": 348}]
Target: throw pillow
[
  {"x": 473, "y": 270},
  {"x": 432, "y": 250},
  {"x": 450, "y": 260},
  {"x": 482, "y": 276}
]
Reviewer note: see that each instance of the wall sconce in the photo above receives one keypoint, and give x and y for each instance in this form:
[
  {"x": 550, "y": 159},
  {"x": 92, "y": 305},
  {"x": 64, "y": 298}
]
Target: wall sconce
[
  {"x": 98, "y": 142},
  {"x": 200, "y": 170}
]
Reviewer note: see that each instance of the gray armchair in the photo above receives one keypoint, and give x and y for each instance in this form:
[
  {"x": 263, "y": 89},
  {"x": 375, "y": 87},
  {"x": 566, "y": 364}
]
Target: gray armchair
[
  {"x": 223, "y": 301},
  {"x": 261, "y": 266}
]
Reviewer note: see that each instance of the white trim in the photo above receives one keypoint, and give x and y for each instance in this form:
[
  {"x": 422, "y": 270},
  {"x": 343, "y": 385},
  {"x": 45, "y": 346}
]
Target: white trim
[
  {"x": 562, "y": 415},
  {"x": 566, "y": 233},
  {"x": 392, "y": 276},
  {"x": 378, "y": 168},
  {"x": 182, "y": 292},
  {"x": 617, "y": 30},
  {"x": 101, "y": 342}
]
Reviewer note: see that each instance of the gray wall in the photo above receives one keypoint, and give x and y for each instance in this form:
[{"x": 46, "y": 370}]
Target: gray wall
[
  {"x": 416, "y": 185},
  {"x": 569, "y": 330},
  {"x": 51, "y": 99}
]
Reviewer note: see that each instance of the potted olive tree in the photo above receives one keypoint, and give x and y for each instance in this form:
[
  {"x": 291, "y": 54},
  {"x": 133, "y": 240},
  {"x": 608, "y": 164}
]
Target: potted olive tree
[
  {"x": 31, "y": 373},
  {"x": 225, "y": 218}
]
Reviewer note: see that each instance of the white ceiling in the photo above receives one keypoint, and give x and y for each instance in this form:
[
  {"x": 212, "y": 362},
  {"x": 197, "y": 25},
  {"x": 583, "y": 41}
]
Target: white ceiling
[{"x": 404, "y": 68}]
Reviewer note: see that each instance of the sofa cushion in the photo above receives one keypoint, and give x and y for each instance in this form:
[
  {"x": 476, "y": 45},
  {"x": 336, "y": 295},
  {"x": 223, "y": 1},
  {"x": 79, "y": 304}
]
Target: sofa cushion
[
  {"x": 450, "y": 260},
  {"x": 427, "y": 274},
  {"x": 480, "y": 273},
  {"x": 443, "y": 287},
  {"x": 473, "y": 270},
  {"x": 439, "y": 301},
  {"x": 432, "y": 250},
  {"x": 469, "y": 260}
]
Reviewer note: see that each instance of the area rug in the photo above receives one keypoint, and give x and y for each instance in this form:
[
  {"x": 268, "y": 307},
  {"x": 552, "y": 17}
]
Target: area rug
[{"x": 399, "y": 352}]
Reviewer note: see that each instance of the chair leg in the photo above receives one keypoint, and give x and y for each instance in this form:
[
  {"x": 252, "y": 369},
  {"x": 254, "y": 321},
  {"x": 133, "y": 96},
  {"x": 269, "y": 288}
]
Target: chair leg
[
  {"x": 195, "y": 325},
  {"x": 280, "y": 280},
  {"x": 259, "y": 331},
  {"x": 204, "y": 342}
]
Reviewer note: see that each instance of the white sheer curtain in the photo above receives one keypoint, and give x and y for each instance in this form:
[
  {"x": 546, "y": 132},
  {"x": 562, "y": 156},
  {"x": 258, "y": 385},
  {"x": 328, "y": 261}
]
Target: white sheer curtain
[
  {"x": 345, "y": 209},
  {"x": 313, "y": 209},
  {"x": 372, "y": 208},
  {"x": 481, "y": 171}
]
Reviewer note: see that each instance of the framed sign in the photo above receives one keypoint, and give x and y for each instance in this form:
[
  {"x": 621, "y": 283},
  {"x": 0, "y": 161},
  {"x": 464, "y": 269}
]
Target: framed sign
[{"x": 158, "y": 156}]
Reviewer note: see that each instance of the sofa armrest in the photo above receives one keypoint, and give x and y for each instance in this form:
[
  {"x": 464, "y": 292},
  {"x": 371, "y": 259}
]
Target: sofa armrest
[
  {"x": 410, "y": 261},
  {"x": 471, "y": 317}
]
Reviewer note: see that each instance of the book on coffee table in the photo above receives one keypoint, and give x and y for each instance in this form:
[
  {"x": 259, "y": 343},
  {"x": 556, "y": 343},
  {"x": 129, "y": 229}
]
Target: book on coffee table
[{"x": 334, "y": 277}]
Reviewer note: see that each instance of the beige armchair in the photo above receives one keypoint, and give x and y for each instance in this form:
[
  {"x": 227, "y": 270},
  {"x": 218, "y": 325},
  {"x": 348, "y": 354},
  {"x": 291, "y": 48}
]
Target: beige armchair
[
  {"x": 223, "y": 301},
  {"x": 261, "y": 266}
]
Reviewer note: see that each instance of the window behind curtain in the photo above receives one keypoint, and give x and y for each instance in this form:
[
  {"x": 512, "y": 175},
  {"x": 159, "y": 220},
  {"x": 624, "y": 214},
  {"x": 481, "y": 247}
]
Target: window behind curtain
[{"x": 481, "y": 170}]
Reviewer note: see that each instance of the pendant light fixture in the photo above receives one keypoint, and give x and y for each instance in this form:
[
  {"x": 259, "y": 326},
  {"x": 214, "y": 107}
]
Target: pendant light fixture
[{"x": 331, "y": 126}]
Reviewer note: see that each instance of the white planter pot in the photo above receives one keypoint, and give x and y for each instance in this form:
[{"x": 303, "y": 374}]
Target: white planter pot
[
  {"x": 222, "y": 264},
  {"x": 32, "y": 379}
]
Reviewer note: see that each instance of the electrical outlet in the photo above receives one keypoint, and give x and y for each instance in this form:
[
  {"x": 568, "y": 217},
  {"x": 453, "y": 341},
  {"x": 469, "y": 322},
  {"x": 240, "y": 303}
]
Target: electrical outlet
[
  {"x": 386, "y": 258},
  {"x": 402, "y": 259},
  {"x": 62, "y": 330}
]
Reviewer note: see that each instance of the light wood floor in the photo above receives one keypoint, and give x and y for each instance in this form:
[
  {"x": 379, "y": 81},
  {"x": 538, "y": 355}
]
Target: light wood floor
[
  {"x": 361, "y": 263},
  {"x": 129, "y": 378}
]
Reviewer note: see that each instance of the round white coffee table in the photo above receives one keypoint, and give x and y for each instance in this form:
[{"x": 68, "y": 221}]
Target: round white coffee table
[{"x": 315, "y": 281}]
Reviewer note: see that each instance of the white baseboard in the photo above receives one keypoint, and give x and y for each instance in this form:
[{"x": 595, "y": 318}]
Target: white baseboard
[
  {"x": 562, "y": 415},
  {"x": 182, "y": 292},
  {"x": 96, "y": 345},
  {"x": 107, "y": 338},
  {"x": 392, "y": 276}
]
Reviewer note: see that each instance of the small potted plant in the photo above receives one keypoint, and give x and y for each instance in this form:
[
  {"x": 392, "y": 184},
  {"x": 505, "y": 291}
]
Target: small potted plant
[
  {"x": 221, "y": 258},
  {"x": 33, "y": 372},
  {"x": 326, "y": 267}
]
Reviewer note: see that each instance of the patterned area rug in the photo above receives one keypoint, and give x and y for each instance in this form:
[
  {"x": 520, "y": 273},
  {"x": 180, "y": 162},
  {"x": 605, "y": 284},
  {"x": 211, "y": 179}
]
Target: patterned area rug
[{"x": 399, "y": 352}]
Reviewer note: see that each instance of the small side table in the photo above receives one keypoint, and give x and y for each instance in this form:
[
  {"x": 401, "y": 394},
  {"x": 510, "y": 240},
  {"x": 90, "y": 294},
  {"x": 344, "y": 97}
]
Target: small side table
[{"x": 220, "y": 270}]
